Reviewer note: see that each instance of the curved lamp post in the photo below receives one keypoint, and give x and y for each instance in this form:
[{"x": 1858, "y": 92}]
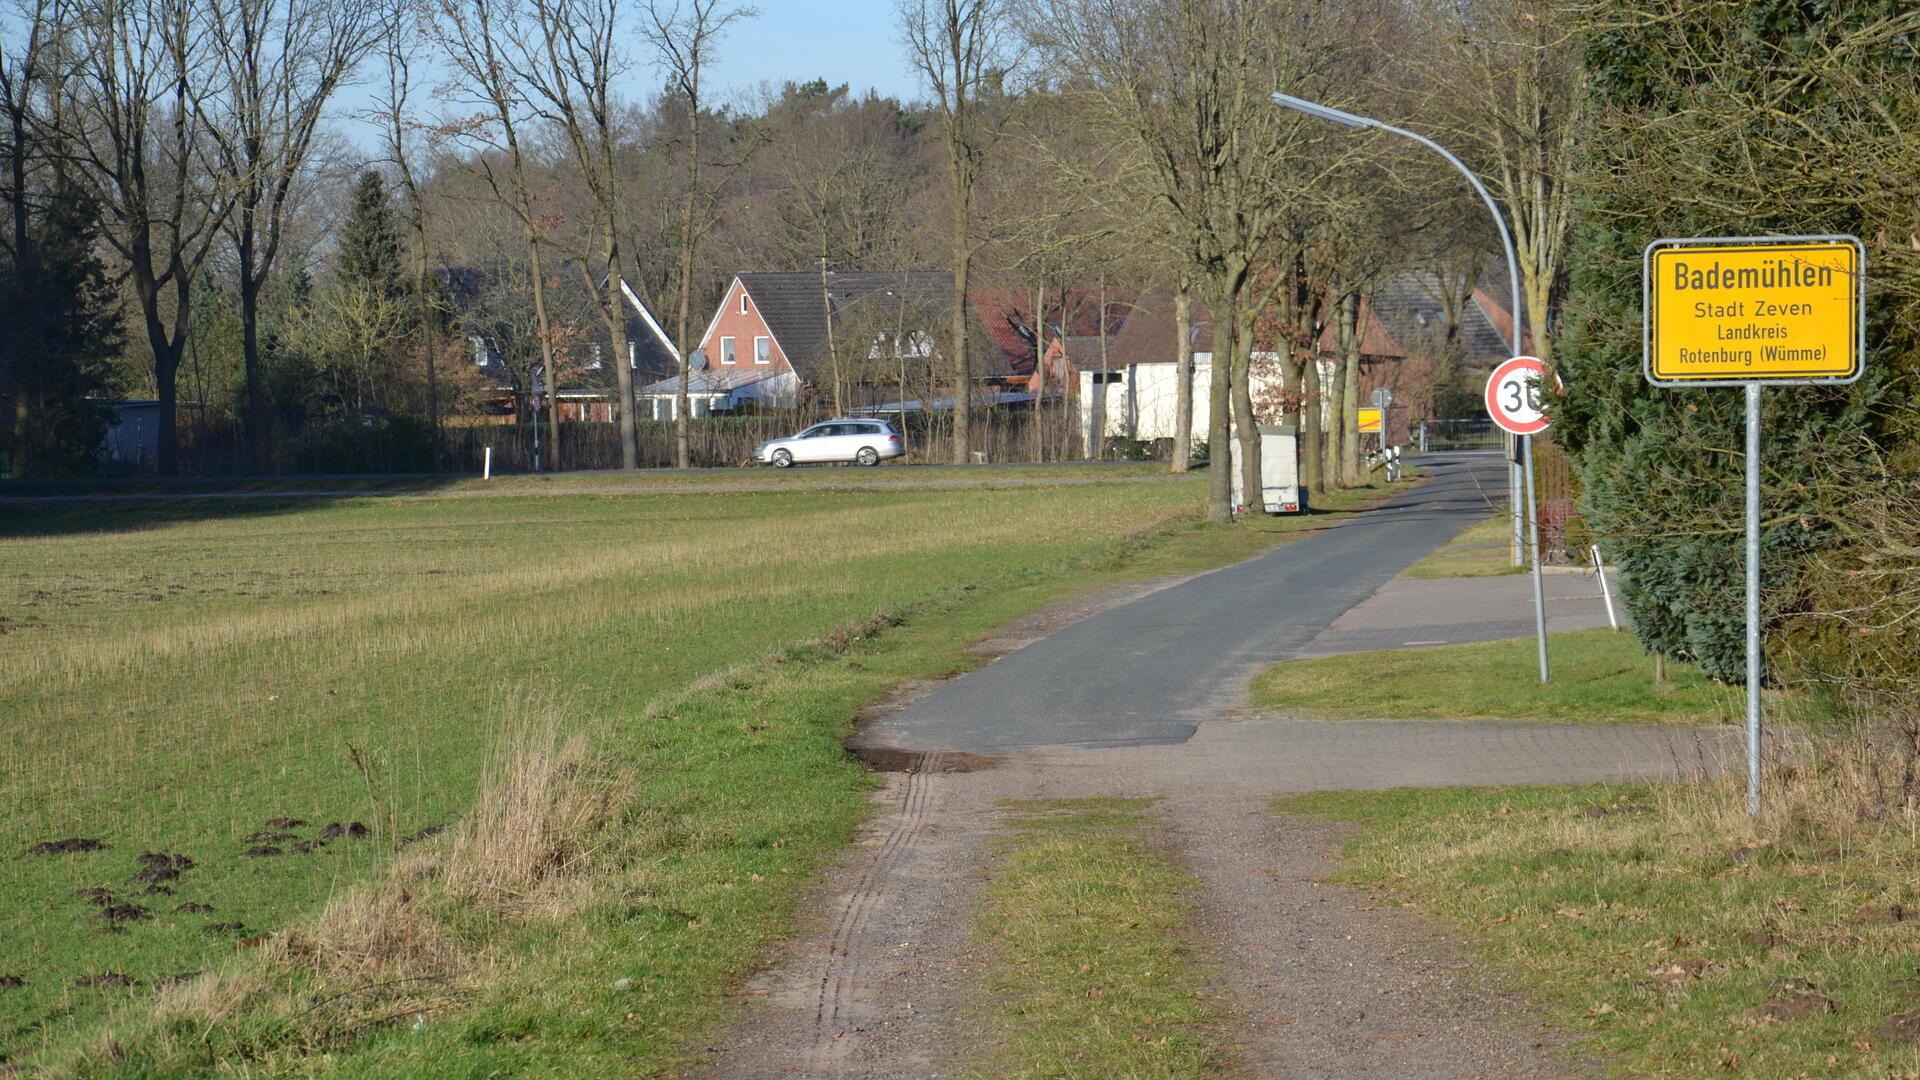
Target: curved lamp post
[{"x": 1354, "y": 120}]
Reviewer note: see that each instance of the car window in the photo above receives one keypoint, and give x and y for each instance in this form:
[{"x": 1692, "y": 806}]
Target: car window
[{"x": 817, "y": 432}]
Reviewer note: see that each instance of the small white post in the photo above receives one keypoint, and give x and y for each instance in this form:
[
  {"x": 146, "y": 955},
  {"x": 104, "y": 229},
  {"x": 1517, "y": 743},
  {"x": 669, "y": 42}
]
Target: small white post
[
  {"x": 1606, "y": 593},
  {"x": 486, "y": 465}
]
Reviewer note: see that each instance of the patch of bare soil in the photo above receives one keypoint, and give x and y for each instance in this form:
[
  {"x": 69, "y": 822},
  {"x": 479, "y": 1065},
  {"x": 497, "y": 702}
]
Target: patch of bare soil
[
  {"x": 158, "y": 869},
  {"x": 72, "y": 845},
  {"x": 103, "y": 979},
  {"x": 1329, "y": 983},
  {"x": 889, "y": 760}
]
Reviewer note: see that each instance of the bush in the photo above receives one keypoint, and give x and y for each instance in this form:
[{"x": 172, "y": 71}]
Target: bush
[{"x": 1662, "y": 469}]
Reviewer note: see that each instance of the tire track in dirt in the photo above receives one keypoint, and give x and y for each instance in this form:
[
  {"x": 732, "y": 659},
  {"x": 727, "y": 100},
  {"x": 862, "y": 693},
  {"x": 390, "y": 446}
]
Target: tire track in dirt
[{"x": 842, "y": 965}]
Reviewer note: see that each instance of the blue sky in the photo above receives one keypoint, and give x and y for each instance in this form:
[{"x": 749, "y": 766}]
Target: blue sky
[{"x": 842, "y": 41}]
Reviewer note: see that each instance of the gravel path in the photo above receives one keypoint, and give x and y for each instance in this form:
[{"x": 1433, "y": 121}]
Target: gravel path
[{"x": 1327, "y": 984}]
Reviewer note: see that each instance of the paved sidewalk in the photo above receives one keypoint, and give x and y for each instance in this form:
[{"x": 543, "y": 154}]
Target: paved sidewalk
[{"x": 1412, "y": 612}]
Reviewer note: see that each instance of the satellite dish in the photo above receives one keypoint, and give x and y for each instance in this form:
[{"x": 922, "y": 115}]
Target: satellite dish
[{"x": 697, "y": 362}]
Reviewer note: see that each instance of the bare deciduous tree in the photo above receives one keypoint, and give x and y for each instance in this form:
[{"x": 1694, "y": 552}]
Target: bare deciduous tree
[
  {"x": 573, "y": 63},
  {"x": 1190, "y": 81},
  {"x": 1510, "y": 73},
  {"x": 278, "y": 63},
  {"x": 478, "y": 37},
  {"x": 683, "y": 34},
  {"x": 963, "y": 50},
  {"x": 139, "y": 127},
  {"x": 400, "y": 130}
]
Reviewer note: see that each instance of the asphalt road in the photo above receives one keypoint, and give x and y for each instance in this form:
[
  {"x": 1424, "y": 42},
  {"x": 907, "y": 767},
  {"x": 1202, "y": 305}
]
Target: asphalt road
[{"x": 1147, "y": 672}]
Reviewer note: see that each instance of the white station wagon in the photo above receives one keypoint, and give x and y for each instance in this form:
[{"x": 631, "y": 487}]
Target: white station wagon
[{"x": 867, "y": 442}]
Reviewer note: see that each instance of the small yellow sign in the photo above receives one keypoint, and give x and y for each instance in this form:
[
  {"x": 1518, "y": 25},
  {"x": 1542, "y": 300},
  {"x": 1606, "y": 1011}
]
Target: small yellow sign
[
  {"x": 1759, "y": 312},
  {"x": 1372, "y": 421}
]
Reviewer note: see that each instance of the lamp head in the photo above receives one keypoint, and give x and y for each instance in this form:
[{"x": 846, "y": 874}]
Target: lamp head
[{"x": 1324, "y": 112}]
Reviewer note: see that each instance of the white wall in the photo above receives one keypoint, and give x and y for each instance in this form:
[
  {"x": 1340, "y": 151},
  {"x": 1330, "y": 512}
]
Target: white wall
[{"x": 1155, "y": 395}]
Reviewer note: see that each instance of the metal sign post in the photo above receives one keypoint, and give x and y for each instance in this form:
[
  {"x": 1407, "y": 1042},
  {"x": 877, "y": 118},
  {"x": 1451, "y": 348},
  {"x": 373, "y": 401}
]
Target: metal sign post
[
  {"x": 1747, "y": 311},
  {"x": 1513, "y": 400}
]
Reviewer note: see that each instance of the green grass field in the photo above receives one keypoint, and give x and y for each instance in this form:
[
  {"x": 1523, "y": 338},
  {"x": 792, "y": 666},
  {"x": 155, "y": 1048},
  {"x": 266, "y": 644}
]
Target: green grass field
[
  {"x": 1661, "y": 926},
  {"x": 1598, "y": 676},
  {"x": 1482, "y": 550},
  {"x": 191, "y": 678},
  {"x": 1089, "y": 973}
]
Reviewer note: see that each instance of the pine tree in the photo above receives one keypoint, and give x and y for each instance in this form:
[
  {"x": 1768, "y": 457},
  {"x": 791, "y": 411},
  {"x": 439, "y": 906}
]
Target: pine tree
[
  {"x": 370, "y": 239},
  {"x": 60, "y": 328}
]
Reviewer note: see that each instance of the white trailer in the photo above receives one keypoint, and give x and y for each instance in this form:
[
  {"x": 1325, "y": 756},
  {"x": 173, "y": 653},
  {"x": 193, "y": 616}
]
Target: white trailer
[{"x": 1281, "y": 491}]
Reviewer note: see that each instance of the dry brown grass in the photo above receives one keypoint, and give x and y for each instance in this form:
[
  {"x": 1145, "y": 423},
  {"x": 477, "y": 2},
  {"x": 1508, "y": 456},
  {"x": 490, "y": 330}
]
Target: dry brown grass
[
  {"x": 540, "y": 818},
  {"x": 1847, "y": 789},
  {"x": 388, "y": 950}
]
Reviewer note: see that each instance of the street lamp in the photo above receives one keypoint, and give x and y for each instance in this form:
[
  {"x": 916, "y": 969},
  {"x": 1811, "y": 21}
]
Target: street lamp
[{"x": 1355, "y": 120}]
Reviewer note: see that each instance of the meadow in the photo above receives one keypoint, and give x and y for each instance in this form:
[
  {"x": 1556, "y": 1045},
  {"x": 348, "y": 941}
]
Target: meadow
[{"x": 223, "y": 719}]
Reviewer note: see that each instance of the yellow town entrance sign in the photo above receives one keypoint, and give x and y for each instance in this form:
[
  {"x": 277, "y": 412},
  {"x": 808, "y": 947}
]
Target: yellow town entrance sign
[{"x": 1735, "y": 311}]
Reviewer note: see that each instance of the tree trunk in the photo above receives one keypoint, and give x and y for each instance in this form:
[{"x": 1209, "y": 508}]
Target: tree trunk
[
  {"x": 1353, "y": 470},
  {"x": 1247, "y": 430},
  {"x": 962, "y": 377},
  {"x": 1039, "y": 385},
  {"x": 1219, "y": 443},
  {"x": 682, "y": 444},
  {"x": 546, "y": 347},
  {"x": 833, "y": 348},
  {"x": 259, "y": 412},
  {"x": 1183, "y": 376},
  {"x": 1538, "y": 291},
  {"x": 614, "y": 311},
  {"x": 427, "y": 334},
  {"x": 682, "y": 447},
  {"x": 1334, "y": 468},
  {"x": 21, "y": 415},
  {"x": 900, "y": 358},
  {"x": 20, "y": 418},
  {"x": 1310, "y": 402}
]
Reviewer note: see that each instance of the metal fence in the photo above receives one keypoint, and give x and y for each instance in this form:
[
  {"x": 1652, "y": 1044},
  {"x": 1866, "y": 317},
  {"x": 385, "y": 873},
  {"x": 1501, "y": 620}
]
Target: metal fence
[
  {"x": 1003, "y": 433},
  {"x": 1470, "y": 434}
]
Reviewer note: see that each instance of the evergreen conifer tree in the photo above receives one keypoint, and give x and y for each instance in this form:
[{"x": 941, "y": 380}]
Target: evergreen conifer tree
[
  {"x": 370, "y": 239},
  {"x": 1773, "y": 136}
]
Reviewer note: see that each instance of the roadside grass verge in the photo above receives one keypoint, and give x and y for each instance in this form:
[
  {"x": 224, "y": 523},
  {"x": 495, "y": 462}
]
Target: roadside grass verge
[
  {"x": 661, "y": 686},
  {"x": 1082, "y": 924},
  {"x": 1599, "y": 676},
  {"x": 1674, "y": 934},
  {"x": 1480, "y": 551}
]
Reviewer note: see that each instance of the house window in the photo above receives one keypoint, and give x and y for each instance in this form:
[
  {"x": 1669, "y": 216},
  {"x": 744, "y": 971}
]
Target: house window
[
  {"x": 763, "y": 350},
  {"x": 633, "y": 355},
  {"x": 595, "y": 365},
  {"x": 743, "y": 301},
  {"x": 726, "y": 350}
]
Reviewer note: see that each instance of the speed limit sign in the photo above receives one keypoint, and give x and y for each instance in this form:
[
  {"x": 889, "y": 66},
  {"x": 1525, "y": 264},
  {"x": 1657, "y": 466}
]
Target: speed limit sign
[{"x": 1513, "y": 395}]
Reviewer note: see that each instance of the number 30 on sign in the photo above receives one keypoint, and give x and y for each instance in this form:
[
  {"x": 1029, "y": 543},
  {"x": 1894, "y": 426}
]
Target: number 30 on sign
[{"x": 1513, "y": 395}]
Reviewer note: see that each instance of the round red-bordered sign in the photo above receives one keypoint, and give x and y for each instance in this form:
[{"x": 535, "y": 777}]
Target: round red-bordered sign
[{"x": 1513, "y": 395}]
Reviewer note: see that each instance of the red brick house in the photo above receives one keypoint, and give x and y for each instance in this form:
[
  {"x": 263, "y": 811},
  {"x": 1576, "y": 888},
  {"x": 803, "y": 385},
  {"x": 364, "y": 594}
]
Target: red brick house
[{"x": 778, "y": 338}]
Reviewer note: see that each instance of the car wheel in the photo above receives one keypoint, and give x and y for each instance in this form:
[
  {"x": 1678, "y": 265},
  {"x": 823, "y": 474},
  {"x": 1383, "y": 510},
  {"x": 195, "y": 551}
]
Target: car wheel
[
  {"x": 782, "y": 459},
  {"x": 867, "y": 456}
]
